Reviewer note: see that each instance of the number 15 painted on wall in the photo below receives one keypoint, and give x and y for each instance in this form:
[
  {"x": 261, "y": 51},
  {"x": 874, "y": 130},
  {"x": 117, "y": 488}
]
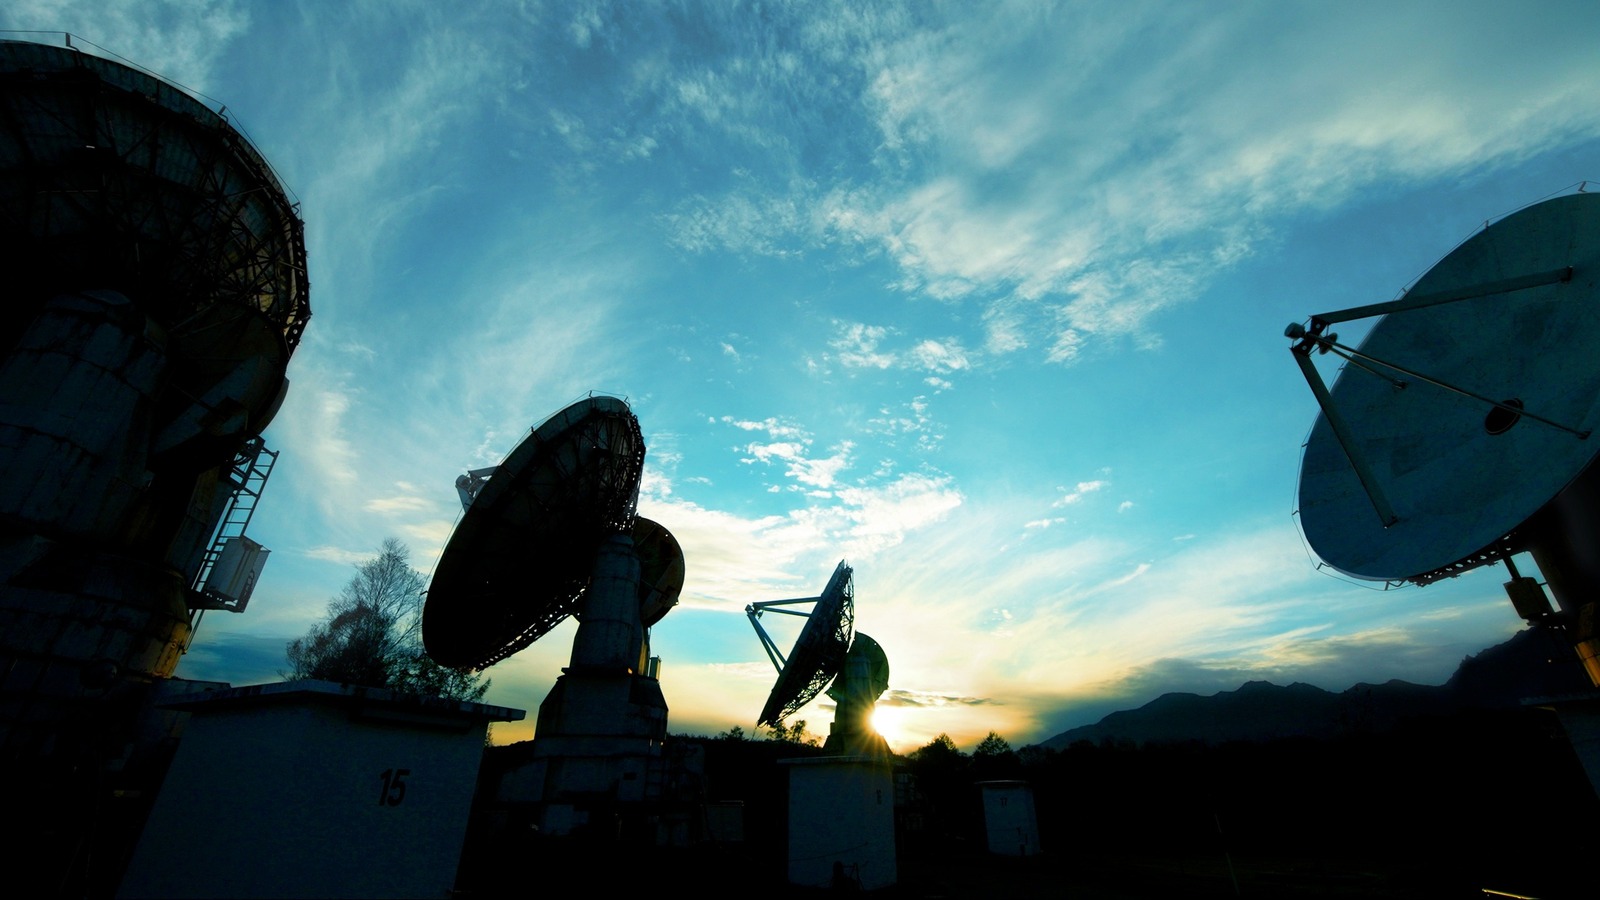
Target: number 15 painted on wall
[{"x": 394, "y": 787}]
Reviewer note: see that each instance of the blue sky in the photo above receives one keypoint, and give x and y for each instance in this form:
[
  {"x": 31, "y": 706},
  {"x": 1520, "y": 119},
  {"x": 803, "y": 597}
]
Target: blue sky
[{"x": 985, "y": 298}]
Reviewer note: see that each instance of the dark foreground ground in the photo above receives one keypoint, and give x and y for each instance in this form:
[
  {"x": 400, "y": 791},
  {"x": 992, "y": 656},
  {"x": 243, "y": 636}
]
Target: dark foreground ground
[
  {"x": 1447, "y": 806},
  {"x": 954, "y": 871}
]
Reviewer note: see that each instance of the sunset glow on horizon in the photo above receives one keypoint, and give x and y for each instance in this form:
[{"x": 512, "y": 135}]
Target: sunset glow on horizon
[{"x": 986, "y": 300}]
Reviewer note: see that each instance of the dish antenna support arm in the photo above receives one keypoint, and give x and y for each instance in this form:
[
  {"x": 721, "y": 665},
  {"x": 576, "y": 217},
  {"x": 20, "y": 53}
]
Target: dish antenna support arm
[
  {"x": 754, "y": 611},
  {"x": 1321, "y": 321},
  {"x": 1309, "y": 339},
  {"x": 1336, "y": 421},
  {"x": 469, "y": 485}
]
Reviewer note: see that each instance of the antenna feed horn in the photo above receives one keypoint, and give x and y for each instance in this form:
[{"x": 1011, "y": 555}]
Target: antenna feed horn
[{"x": 1307, "y": 338}]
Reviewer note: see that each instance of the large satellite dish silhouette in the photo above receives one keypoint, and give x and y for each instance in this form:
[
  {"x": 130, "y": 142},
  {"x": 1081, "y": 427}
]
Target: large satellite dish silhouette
[
  {"x": 155, "y": 289},
  {"x": 115, "y": 179},
  {"x": 818, "y": 653},
  {"x": 1460, "y": 431},
  {"x": 550, "y": 533},
  {"x": 836, "y": 810},
  {"x": 827, "y": 650},
  {"x": 520, "y": 559}
]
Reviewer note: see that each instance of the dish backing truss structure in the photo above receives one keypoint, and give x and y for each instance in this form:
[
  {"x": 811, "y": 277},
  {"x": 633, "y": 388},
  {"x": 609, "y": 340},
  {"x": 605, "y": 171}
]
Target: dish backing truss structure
[
  {"x": 818, "y": 653},
  {"x": 827, "y": 651},
  {"x": 520, "y": 559}
]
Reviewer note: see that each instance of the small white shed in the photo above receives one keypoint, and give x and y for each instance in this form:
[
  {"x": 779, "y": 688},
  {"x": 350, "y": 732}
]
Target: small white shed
[
  {"x": 1009, "y": 819},
  {"x": 313, "y": 789},
  {"x": 841, "y": 822}
]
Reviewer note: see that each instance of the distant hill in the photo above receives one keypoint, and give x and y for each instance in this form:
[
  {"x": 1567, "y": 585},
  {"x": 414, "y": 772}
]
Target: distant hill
[{"x": 1533, "y": 663}]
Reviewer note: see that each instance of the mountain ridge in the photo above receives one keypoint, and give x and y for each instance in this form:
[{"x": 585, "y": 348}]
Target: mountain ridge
[{"x": 1532, "y": 663}]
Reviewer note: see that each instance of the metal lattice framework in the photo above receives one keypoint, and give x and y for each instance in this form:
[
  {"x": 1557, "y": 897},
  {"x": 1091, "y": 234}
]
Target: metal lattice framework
[
  {"x": 818, "y": 652},
  {"x": 111, "y": 178},
  {"x": 520, "y": 558}
]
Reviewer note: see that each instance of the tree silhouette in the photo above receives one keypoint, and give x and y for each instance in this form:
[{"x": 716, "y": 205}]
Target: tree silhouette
[
  {"x": 793, "y": 734},
  {"x": 992, "y": 745},
  {"x": 372, "y": 635},
  {"x": 939, "y": 751},
  {"x": 993, "y": 759}
]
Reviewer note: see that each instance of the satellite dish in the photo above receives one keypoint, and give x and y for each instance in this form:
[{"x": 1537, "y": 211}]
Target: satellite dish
[
  {"x": 1442, "y": 399},
  {"x": 835, "y": 801},
  {"x": 660, "y": 569},
  {"x": 155, "y": 288},
  {"x": 117, "y": 181},
  {"x": 549, "y": 533},
  {"x": 825, "y": 652},
  {"x": 818, "y": 653},
  {"x": 522, "y": 555},
  {"x": 1460, "y": 432}
]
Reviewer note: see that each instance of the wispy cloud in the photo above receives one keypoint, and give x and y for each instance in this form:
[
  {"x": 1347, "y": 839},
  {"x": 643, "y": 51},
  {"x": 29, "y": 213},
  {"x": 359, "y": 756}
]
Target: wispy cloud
[
  {"x": 930, "y": 698},
  {"x": 340, "y": 555},
  {"x": 773, "y": 427},
  {"x": 1075, "y": 494},
  {"x": 182, "y": 43},
  {"x": 938, "y": 356},
  {"x": 1074, "y": 204},
  {"x": 401, "y": 503},
  {"x": 857, "y": 345},
  {"x": 814, "y": 472}
]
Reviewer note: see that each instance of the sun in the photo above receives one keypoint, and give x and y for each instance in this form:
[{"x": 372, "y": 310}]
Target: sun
[{"x": 890, "y": 721}]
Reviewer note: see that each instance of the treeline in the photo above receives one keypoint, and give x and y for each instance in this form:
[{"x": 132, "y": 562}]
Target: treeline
[{"x": 1464, "y": 800}]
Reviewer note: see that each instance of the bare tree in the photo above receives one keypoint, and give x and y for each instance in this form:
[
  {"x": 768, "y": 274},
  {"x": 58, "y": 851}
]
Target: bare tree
[
  {"x": 793, "y": 734},
  {"x": 372, "y": 635}
]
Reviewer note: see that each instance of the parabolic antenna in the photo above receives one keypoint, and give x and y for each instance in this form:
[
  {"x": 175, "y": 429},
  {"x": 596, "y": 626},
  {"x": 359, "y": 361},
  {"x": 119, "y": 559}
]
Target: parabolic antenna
[
  {"x": 660, "y": 569},
  {"x": 837, "y": 811},
  {"x": 872, "y": 679},
  {"x": 1466, "y": 410},
  {"x": 521, "y": 556},
  {"x": 112, "y": 179},
  {"x": 549, "y": 533},
  {"x": 155, "y": 286},
  {"x": 819, "y": 651}
]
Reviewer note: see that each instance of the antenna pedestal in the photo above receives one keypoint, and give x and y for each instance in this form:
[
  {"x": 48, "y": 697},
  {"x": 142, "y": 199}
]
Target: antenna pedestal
[
  {"x": 610, "y": 631},
  {"x": 597, "y": 748},
  {"x": 852, "y": 735},
  {"x": 597, "y": 751},
  {"x": 154, "y": 291},
  {"x": 861, "y": 682},
  {"x": 1564, "y": 540}
]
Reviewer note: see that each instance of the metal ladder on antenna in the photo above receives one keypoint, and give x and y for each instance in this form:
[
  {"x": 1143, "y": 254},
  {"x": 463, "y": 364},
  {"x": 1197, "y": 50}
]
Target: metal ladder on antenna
[{"x": 248, "y": 474}]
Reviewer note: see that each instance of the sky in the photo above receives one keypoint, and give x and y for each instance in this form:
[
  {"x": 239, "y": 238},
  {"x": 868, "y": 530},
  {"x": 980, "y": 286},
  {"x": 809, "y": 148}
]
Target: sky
[{"x": 986, "y": 299}]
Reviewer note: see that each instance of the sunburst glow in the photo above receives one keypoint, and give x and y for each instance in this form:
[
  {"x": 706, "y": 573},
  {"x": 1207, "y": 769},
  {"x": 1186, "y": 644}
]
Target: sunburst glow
[{"x": 890, "y": 721}]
